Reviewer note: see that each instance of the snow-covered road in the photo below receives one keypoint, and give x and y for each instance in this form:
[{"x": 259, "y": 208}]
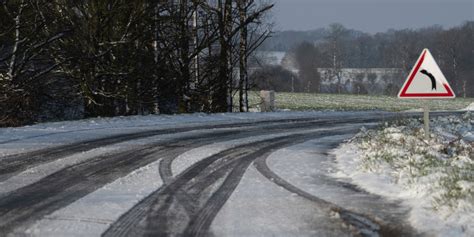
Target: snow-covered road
[{"x": 191, "y": 175}]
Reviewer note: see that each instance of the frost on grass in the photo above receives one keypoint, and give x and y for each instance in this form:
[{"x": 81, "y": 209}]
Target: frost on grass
[
  {"x": 346, "y": 102},
  {"x": 440, "y": 170}
]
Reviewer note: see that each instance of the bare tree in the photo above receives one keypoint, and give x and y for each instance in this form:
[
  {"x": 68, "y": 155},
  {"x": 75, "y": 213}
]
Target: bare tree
[
  {"x": 252, "y": 34},
  {"x": 24, "y": 62},
  {"x": 308, "y": 59},
  {"x": 131, "y": 57},
  {"x": 336, "y": 37}
]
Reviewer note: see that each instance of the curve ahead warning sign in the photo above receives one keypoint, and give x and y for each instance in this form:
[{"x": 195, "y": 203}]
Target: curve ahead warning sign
[{"x": 426, "y": 80}]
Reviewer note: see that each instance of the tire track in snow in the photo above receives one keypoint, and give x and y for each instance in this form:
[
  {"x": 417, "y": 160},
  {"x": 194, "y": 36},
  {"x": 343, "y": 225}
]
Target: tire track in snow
[
  {"x": 13, "y": 164},
  {"x": 136, "y": 221},
  {"x": 363, "y": 224},
  {"x": 195, "y": 124},
  {"x": 30, "y": 176},
  {"x": 169, "y": 165},
  {"x": 30, "y": 203},
  {"x": 333, "y": 123},
  {"x": 162, "y": 212}
]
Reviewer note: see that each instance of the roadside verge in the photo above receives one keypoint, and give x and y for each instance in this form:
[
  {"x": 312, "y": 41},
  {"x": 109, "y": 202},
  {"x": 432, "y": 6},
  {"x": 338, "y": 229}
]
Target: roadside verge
[{"x": 434, "y": 178}]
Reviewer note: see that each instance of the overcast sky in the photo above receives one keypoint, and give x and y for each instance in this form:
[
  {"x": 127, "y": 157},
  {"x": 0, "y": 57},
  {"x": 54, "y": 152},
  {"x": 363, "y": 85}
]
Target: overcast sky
[{"x": 370, "y": 15}]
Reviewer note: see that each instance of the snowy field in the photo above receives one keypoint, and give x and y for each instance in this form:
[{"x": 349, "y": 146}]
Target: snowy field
[
  {"x": 333, "y": 102},
  {"x": 435, "y": 177}
]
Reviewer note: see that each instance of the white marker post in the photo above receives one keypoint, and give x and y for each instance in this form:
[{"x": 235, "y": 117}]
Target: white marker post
[
  {"x": 426, "y": 81},
  {"x": 268, "y": 101}
]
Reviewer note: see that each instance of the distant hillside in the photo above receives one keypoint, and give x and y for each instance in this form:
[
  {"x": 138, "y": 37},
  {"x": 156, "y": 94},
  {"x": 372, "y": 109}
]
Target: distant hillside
[
  {"x": 285, "y": 40},
  {"x": 337, "y": 47}
]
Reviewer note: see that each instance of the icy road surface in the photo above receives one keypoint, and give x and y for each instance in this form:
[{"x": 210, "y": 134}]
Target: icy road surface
[{"x": 191, "y": 175}]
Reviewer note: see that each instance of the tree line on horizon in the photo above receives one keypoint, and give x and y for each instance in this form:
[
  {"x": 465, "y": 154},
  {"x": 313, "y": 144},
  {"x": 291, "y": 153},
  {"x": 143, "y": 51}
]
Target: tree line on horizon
[
  {"x": 337, "y": 47},
  {"x": 119, "y": 57}
]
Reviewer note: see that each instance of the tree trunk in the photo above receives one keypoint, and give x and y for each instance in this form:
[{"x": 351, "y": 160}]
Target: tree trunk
[
  {"x": 228, "y": 37},
  {"x": 11, "y": 69},
  {"x": 185, "y": 80},
  {"x": 220, "y": 93},
  {"x": 243, "y": 73}
]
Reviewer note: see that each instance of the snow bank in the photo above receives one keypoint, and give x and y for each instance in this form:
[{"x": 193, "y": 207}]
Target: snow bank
[
  {"x": 470, "y": 107},
  {"x": 435, "y": 177}
]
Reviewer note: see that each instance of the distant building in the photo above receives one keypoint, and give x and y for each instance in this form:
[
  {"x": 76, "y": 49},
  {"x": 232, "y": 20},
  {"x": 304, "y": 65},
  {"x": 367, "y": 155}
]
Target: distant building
[
  {"x": 361, "y": 80},
  {"x": 352, "y": 80}
]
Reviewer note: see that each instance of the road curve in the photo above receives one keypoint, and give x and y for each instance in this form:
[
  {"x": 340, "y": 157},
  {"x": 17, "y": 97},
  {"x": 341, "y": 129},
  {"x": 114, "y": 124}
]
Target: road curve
[{"x": 187, "y": 203}]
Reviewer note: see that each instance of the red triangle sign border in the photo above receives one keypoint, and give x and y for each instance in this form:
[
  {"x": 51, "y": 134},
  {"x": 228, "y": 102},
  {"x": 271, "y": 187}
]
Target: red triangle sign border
[{"x": 403, "y": 92}]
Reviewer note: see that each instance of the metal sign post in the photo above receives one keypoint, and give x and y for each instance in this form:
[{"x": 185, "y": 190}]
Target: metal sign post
[{"x": 426, "y": 118}]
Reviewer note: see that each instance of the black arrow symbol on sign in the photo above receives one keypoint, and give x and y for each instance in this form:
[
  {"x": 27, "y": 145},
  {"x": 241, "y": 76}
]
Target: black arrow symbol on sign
[{"x": 433, "y": 80}]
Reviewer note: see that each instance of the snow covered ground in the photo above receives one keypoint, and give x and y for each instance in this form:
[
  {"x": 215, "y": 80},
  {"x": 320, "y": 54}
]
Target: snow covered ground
[
  {"x": 435, "y": 178},
  {"x": 250, "y": 212},
  {"x": 95, "y": 212},
  {"x": 27, "y": 138}
]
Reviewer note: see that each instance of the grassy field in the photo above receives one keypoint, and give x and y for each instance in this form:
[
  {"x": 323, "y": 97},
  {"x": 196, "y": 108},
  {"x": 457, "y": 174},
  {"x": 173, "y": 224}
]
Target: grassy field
[{"x": 307, "y": 101}]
